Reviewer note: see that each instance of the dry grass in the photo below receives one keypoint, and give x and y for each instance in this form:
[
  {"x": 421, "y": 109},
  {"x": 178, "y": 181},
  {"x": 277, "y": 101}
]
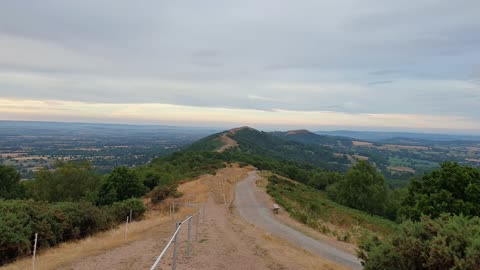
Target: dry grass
[
  {"x": 282, "y": 251},
  {"x": 360, "y": 143}
]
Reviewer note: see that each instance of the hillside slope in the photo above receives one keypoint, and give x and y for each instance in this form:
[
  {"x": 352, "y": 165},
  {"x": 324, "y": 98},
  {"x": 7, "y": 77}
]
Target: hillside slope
[
  {"x": 265, "y": 144},
  {"x": 305, "y": 136}
]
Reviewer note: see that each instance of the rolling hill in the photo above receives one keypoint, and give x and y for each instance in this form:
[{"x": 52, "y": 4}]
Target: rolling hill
[
  {"x": 305, "y": 136},
  {"x": 252, "y": 142}
]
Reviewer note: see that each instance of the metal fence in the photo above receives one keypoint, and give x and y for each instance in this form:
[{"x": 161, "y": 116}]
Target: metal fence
[{"x": 174, "y": 238}]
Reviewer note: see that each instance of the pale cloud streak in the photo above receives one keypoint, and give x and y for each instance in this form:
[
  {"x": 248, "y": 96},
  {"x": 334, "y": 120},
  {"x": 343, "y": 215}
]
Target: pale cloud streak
[{"x": 151, "y": 113}]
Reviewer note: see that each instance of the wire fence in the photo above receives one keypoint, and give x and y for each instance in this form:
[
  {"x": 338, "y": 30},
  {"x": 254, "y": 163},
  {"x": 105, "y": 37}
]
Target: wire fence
[
  {"x": 32, "y": 248},
  {"x": 178, "y": 225}
]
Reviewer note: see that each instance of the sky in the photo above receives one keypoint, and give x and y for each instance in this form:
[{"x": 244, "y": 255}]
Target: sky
[{"x": 272, "y": 64}]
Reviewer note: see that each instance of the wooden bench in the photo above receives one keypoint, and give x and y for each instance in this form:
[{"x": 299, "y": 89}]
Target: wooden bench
[{"x": 276, "y": 208}]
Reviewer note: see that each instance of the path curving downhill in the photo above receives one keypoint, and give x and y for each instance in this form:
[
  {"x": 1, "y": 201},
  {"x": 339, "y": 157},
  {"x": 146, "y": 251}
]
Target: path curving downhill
[{"x": 257, "y": 213}]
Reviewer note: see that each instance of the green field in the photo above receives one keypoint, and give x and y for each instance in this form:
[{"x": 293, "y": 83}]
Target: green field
[{"x": 418, "y": 164}]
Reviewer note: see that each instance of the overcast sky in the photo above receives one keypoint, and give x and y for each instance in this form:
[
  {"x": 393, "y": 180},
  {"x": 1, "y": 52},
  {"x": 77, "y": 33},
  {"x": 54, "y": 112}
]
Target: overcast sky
[{"x": 354, "y": 64}]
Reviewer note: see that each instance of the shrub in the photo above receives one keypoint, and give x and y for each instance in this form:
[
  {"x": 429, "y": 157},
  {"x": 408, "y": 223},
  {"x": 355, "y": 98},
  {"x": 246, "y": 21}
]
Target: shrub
[
  {"x": 120, "y": 185},
  {"x": 55, "y": 223},
  {"x": 453, "y": 189},
  {"x": 448, "y": 242},
  {"x": 120, "y": 210},
  {"x": 162, "y": 192}
]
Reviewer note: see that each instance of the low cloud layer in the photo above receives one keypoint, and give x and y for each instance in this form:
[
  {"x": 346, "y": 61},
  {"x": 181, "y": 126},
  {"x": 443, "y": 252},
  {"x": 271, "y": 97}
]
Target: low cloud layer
[{"x": 346, "y": 57}]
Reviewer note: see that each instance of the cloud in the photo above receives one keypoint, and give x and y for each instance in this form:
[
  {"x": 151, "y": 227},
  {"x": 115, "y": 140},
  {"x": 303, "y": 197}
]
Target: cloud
[
  {"x": 349, "y": 56},
  {"x": 141, "y": 113},
  {"x": 379, "y": 82}
]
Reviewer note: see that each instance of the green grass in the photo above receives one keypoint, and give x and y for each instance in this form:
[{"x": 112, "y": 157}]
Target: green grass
[
  {"x": 311, "y": 207},
  {"x": 412, "y": 163}
]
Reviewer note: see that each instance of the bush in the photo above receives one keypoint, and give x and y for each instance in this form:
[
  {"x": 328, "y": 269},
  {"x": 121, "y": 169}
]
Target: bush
[
  {"x": 448, "y": 242},
  {"x": 55, "y": 223},
  {"x": 121, "y": 184},
  {"x": 10, "y": 187},
  {"x": 362, "y": 188},
  {"x": 162, "y": 192},
  {"x": 453, "y": 189},
  {"x": 120, "y": 210}
]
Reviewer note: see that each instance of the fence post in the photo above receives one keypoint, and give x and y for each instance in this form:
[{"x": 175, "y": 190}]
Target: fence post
[
  {"x": 34, "y": 251},
  {"x": 173, "y": 211},
  {"x": 131, "y": 215},
  {"x": 174, "y": 263},
  {"x": 196, "y": 227},
  {"x": 126, "y": 229},
  {"x": 204, "y": 206},
  {"x": 188, "y": 236}
]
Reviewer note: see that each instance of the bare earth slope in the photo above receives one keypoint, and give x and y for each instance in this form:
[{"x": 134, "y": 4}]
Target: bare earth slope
[
  {"x": 256, "y": 212},
  {"x": 227, "y": 141}
]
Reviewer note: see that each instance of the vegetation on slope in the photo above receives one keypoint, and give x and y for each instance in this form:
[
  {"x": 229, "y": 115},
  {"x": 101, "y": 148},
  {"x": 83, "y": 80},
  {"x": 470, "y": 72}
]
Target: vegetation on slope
[
  {"x": 315, "y": 209},
  {"x": 448, "y": 242},
  {"x": 266, "y": 145},
  {"x": 307, "y": 137},
  {"x": 363, "y": 188},
  {"x": 55, "y": 223},
  {"x": 453, "y": 189},
  {"x": 73, "y": 201}
]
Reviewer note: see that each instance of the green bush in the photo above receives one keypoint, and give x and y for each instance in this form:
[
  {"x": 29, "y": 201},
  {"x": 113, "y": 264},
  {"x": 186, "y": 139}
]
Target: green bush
[
  {"x": 10, "y": 187},
  {"x": 448, "y": 242},
  {"x": 121, "y": 184},
  {"x": 56, "y": 223},
  {"x": 453, "y": 189},
  {"x": 120, "y": 210}
]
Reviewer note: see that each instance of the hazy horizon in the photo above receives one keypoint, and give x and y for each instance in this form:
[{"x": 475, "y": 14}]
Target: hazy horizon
[
  {"x": 262, "y": 128},
  {"x": 349, "y": 64}
]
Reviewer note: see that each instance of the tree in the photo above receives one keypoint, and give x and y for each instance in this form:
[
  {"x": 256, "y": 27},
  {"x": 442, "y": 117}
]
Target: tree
[
  {"x": 448, "y": 242},
  {"x": 10, "y": 187},
  {"x": 451, "y": 189},
  {"x": 362, "y": 188},
  {"x": 71, "y": 181},
  {"x": 120, "y": 185}
]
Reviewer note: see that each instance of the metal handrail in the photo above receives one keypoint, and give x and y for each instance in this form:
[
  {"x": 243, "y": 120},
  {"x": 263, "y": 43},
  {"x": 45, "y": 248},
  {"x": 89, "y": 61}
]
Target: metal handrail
[{"x": 179, "y": 225}]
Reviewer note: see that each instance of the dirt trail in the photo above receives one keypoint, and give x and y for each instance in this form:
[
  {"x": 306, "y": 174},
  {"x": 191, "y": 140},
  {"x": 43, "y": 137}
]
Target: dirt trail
[
  {"x": 228, "y": 242},
  {"x": 227, "y": 143}
]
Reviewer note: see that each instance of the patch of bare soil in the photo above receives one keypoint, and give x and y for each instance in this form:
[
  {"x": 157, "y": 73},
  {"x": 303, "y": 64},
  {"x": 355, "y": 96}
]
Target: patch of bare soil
[{"x": 227, "y": 143}]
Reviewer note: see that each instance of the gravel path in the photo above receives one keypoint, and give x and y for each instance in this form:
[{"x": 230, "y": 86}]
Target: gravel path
[{"x": 258, "y": 214}]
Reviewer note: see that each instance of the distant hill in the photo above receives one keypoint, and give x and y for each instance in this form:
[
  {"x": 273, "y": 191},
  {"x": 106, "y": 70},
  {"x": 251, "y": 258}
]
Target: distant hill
[
  {"x": 305, "y": 136},
  {"x": 265, "y": 144},
  {"x": 395, "y": 137}
]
